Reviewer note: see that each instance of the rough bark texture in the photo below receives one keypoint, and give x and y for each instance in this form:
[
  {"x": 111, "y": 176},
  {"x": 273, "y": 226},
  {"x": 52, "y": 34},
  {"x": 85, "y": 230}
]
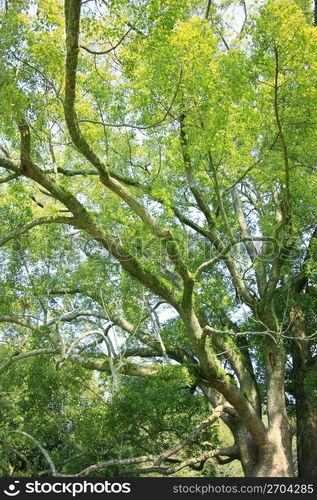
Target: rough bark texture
[
  {"x": 306, "y": 414},
  {"x": 264, "y": 451},
  {"x": 305, "y": 383}
]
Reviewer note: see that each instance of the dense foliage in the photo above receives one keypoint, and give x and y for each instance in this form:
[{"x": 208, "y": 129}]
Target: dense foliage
[{"x": 158, "y": 237}]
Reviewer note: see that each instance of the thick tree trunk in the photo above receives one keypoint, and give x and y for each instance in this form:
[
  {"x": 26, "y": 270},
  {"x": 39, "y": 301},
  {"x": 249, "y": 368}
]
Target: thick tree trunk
[
  {"x": 276, "y": 458},
  {"x": 247, "y": 449},
  {"x": 306, "y": 414},
  {"x": 305, "y": 383},
  {"x": 273, "y": 460},
  {"x": 263, "y": 453}
]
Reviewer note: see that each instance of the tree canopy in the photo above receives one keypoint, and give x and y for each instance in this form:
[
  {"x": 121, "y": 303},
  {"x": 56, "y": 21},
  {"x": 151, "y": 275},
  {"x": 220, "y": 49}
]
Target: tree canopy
[{"x": 158, "y": 237}]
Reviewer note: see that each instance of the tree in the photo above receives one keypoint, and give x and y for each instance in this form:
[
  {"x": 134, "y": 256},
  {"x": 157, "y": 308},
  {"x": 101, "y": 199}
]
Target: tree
[
  {"x": 171, "y": 168},
  {"x": 77, "y": 424}
]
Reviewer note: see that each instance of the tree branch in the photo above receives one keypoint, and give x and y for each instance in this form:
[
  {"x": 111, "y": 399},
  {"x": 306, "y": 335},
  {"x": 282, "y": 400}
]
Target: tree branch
[
  {"x": 42, "y": 450},
  {"x": 192, "y": 436},
  {"x": 24, "y": 355},
  {"x": 103, "y": 52},
  {"x": 36, "y": 222}
]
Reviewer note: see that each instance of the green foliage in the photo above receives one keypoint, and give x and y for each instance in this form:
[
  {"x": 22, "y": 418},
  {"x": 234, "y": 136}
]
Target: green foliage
[
  {"x": 78, "y": 423},
  {"x": 207, "y": 127}
]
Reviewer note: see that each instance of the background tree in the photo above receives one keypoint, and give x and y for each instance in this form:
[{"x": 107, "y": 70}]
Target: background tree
[{"x": 160, "y": 194}]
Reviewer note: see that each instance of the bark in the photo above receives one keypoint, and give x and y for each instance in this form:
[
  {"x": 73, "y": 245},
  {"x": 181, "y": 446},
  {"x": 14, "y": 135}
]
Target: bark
[
  {"x": 306, "y": 415},
  {"x": 247, "y": 451},
  {"x": 214, "y": 375},
  {"x": 211, "y": 370},
  {"x": 262, "y": 451},
  {"x": 305, "y": 383},
  {"x": 269, "y": 460},
  {"x": 304, "y": 372},
  {"x": 280, "y": 434},
  {"x": 275, "y": 459}
]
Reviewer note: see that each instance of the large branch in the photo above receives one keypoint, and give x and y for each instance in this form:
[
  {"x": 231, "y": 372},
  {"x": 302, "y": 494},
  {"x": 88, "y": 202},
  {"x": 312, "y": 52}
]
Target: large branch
[
  {"x": 284, "y": 228},
  {"x": 36, "y": 222},
  {"x": 9, "y": 178},
  {"x": 24, "y": 355},
  {"x": 42, "y": 450},
  {"x": 176, "y": 353},
  {"x": 237, "y": 361},
  {"x": 286, "y": 209},
  {"x": 192, "y": 436},
  {"x": 72, "y": 15},
  {"x": 158, "y": 460},
  {"x": 213, "y": 234},
  {"x": 72, "y": 12},
  {"x": 230, "y": 452},
  {"x": 160, "y": 469},
  {"x": 18, "y": 320},
  {"x": 85, "y": 220},
  {"x": 69, "y": 316},
  {"x": 149, "y": 370},
  {"x": 10, "y": 165},
  {"x": 188, "y": 222},
  {"x": 213, "y": 374}
]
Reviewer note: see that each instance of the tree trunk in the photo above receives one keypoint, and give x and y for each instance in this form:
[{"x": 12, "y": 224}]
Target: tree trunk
[
  {"x": 273, "y": 460},
  {"x": 305, "y": 383}
]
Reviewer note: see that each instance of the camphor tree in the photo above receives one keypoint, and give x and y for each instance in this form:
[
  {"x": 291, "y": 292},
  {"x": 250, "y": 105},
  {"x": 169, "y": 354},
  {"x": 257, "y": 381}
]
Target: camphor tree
[{"x": 158, "y": 173}]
